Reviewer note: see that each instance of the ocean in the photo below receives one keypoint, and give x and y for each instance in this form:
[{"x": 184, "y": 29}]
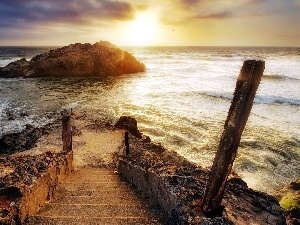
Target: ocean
[{"x": 181, "y": 101}]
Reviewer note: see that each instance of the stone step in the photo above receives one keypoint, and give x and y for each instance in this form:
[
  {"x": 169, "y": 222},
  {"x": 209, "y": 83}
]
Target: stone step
[
  {"x": 96, "y": 196},
  {"x": 93, "y": 193},
  {"x": 105, "y": 199},
  {"x": 92, "y": 220},
  {"x": 95, "y": 186},
  {"x": 93, "y": 210},
  {"x": 94, "y": 172},
  {"x": 97, "y": 170},
  {"x": 77, "y": 178}
]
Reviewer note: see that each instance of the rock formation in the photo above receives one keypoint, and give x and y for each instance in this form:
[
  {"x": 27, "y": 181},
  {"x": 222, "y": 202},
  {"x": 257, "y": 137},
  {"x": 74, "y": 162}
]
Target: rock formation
[
  {"x": 25, "y": 139},
  {"x": 130, "y": 124},
  {"x": 76, "y": 60}
]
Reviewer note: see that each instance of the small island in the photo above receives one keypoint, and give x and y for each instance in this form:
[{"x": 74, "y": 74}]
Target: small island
[{"x": 76, "y": 60}]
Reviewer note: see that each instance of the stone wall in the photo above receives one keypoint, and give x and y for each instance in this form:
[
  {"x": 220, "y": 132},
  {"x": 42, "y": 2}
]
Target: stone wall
[{"x": 32, "y": 183}]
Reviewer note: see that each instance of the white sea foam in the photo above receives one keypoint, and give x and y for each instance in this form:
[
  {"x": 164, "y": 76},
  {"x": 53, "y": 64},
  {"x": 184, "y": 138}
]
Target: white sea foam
[{"x": 182, "y": 101}]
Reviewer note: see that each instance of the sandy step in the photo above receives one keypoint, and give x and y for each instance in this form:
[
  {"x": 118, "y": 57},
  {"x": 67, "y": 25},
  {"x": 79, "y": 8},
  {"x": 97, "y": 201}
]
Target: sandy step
[
  {"x": 106, "y": 199},
  {"x": 93, "y": 177},
  {"x": 95, "y": 171},
  {"x": 98, "y": 210},
  {"x": 95, "y": 193},
  {"x": 93, "y": 221},
  {"x": 95, "y": 186}
]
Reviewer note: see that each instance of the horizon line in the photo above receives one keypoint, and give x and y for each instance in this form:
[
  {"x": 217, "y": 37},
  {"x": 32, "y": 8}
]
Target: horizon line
[{"x": 140, "y": 46}]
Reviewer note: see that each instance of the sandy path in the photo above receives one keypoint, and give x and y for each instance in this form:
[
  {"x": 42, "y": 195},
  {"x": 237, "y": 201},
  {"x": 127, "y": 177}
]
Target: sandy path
[
  {"x": 93, "y": 145},
  {"x": 97, "y": 149}
]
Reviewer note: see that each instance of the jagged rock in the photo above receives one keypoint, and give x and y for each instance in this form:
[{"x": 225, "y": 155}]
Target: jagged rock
[
  {"x": 14, "y": 69},
  {"x": 130, "y": 124},
  {"x": 20, "y": 141},
  {"x": 236, "y": 180},
  {"x": 76, "y": 60},
  {"x": 25, "y": 139}
]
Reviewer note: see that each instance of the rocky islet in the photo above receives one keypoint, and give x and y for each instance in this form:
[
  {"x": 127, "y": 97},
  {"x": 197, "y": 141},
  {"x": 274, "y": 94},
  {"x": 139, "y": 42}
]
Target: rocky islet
[{"x": 76, "y": 60}]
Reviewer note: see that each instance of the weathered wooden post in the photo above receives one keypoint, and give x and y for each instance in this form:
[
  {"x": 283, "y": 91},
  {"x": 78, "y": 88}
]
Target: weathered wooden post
[
  {"x": 67, "y": 134},
  {"x": 246, "y": 86},
  {"x": 127, "y": 142}
]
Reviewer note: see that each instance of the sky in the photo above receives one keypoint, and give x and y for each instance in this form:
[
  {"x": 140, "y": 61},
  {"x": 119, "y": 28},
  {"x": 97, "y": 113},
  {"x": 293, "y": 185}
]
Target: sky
[{"x": 150, "y": 22}]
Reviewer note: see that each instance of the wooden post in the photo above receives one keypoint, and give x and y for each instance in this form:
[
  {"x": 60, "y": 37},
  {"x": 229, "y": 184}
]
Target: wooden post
[
  {"x": 246, "y": 86},
  {"x": 127, "y": 142},
  {"x": 66, "y": 134}
]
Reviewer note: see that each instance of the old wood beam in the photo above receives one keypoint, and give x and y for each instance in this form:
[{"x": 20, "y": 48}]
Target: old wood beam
[
  {"x": 67, "y": 133},
  {"x": 246, "y": 86}
]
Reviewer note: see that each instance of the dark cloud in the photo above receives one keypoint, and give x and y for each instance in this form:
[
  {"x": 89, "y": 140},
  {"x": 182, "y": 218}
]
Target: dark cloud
[
  {"x": 185, "y": 20},
  {"x": 114, "y": 10},
  {"x": 193, "y": 3},
  {"x": 22, "y": 13},
  {"x": 218, "y": 15},
  {"x": 205, "y": 9},
  {"x": 190, "y": 3},
  {"x": 249, "y": 2}
]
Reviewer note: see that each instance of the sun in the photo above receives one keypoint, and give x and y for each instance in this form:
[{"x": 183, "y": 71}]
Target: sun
[{"x": 143, "y": 30}]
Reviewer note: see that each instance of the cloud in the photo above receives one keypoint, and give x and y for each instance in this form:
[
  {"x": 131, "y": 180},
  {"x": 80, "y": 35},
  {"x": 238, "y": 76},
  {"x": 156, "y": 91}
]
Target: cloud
[
  {"x": 289, "y": 35},
  {"x": 250, "y": 2},
  {"x": 61, "y": 21},
  {"x": 206, "y": 9},
  {"x": 18, "y": 14},
  {"x": 217, "y": 15},
  {"x": 21, "y": 13},
  {"x": 190, "y": 3},
  {"x": 296, "y": 2}
]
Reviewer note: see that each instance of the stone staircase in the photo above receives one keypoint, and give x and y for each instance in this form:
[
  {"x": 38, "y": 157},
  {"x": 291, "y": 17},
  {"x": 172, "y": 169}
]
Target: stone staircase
[{"x": 96, "y": 196}]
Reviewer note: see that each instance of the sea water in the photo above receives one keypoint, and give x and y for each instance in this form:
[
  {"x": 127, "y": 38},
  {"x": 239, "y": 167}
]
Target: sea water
[{"x": 181, "y": 101}]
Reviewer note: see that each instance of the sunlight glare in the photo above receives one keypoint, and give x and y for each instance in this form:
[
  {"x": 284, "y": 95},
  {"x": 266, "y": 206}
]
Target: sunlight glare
[{"x": 143, "y": 30}]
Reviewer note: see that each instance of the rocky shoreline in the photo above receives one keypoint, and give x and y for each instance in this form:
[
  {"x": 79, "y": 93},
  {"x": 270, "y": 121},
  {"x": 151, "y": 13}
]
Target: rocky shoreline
[
  {"x": 177, "y": 185},
  {"x": 166, "y": 178}
]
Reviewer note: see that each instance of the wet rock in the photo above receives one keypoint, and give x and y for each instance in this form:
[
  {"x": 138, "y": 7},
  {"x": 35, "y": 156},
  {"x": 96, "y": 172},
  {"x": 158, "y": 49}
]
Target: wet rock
[
  {"x": 289, "y": 199},
  {"x": 24, "y": 140},
  {"x": 293, "y": 216},
  {"x": 235, "y": 179},
  {"x": 76, "y": 60},
  {"x": 23, "y": 114},
  {"x": 130, "y": 124},
  {"x": 10, "y": 115},
  {"x": 14, "y": 69},
  {"x": 11, "y": 143}
]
